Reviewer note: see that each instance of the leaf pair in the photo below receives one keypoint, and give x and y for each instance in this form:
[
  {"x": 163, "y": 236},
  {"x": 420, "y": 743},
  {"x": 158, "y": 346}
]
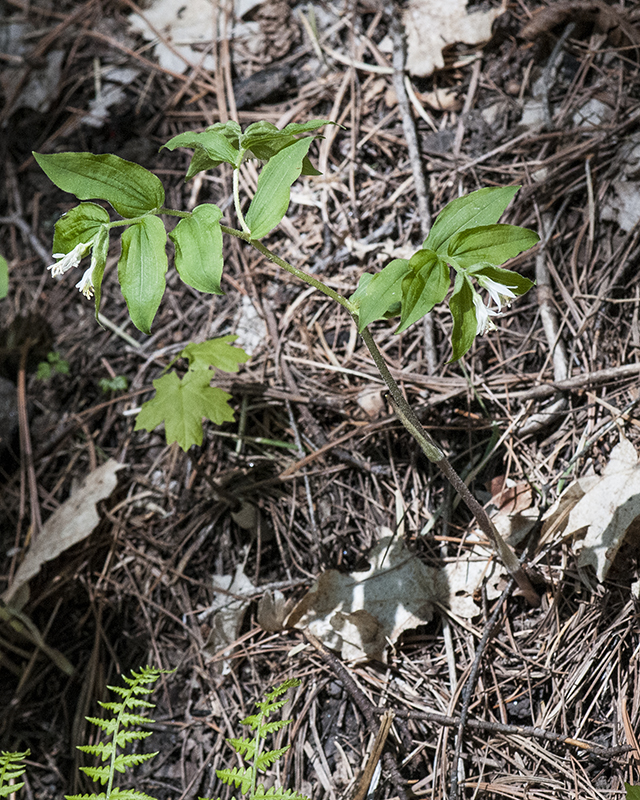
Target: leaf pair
[
  {"x": 226, "y": 143},
  {"x": 466, "y": 236},
  {"x": 181, "y": 403},
  {"x": 285, "y": 154}
]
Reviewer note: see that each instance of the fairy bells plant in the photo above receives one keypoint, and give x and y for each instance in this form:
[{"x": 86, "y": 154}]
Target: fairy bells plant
[{"x": 463, "y": 254}]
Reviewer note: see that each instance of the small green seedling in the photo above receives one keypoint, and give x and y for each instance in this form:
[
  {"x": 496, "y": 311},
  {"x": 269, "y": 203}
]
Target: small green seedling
[
  {"x": 54, "y": 364},
  {"x": 251, "y": 750},
  {"x": 118, "y": 383},
  {"x": 181, "y": 403}
]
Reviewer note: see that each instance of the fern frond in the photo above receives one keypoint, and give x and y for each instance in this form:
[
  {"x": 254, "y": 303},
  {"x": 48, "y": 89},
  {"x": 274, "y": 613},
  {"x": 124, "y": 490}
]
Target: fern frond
[
  {"x": 116, "y": 728},
  {"x": 237, "y": 776},
  {"x": 11, "y": 768},
  {"x": 119, "y": 794},
  {"x": 245, "y": 747},
  {"x": 126, "y": 716},
  {"x": 265, "y": 760},
  {"x": 107, "y": 725}
]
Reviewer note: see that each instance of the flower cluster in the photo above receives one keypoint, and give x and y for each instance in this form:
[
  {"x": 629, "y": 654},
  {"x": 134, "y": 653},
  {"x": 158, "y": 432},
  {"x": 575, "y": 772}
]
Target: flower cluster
[
  {"x": 499, "y": 293},
  {"x": 72, "y": 259}
]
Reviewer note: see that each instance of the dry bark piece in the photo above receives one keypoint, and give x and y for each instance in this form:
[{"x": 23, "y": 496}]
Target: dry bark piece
[{"x": 606, "y": 19}]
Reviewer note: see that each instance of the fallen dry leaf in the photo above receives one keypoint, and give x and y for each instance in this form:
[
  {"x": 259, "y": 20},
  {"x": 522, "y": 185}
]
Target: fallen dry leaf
[
  {"x": 360, "y": 613},
  {"x": 431, "y": 25},
  {"x": 69, "y": 524},
  {"x": 226, "y": 614},
  {"x": 598, "y": 511}
]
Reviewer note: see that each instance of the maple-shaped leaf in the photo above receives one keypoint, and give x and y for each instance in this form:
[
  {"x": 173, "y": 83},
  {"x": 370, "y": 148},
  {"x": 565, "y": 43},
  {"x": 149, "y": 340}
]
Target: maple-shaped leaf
[
  {"x": 218, "y": 353},
  {"x": 181, "y": 403}
]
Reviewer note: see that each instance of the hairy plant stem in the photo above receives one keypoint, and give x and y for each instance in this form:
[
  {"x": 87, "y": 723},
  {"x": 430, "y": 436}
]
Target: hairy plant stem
[
  {"x": 298, "y": 273},
  {"x": 412, "y": 424},
  {"x": 408, "y": 418},
  {"x": 236, "y": 199}
]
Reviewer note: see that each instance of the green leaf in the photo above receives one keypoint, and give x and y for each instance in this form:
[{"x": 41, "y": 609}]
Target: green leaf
[
  {"x": 489, "y": 244},
  {"x": 4, "y": 277},
  {"x": 308, "y": 168},
  {"x": 633, "y": 792},
  {"x": 463, "y": 311},
  {"x": 265, "y": 760},
  {"x": 78, "y": 226},
  {"x": 423, "y": 289},
  {"x": 142, "y": 268},
  {"x": 97, "y": 774},
  {"x": 129, "y": 794},
  {"x": 237, "y": 776},
  {"x": 123, "y": 761},
  {"x": 483, "y": 207},
  {"x": 245, "y": 747},
  {"x": 373, "y": 297},
  {"x": 264, "y": 140},
  {"x": 218, "y": 353},
  {"x": 216, "y": 143},
  {"x": 129, "y": 188},
  {"x": 198, "y": 243},
  {"x": 295, "y": 128},
  {"x": 5, "y": 791},
  {"x": 181, "y": 404},
  {"x": 271, "y": 200},
  {"x": 99, "y": 255},
  {"x": 518, "y": 284}
]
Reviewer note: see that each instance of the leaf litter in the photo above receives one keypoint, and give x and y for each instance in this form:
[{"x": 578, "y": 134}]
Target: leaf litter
[{"x": 570, "y": 667}]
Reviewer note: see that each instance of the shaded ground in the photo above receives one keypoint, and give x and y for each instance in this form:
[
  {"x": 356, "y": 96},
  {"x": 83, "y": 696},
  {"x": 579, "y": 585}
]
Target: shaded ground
[{"x": 542, "y": 400}]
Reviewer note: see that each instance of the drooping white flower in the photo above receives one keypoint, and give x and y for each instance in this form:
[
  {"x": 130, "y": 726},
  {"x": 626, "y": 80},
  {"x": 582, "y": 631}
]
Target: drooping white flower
[
  {"x": 498, "y": 292},
  {"x": 85, "y": 284},
  {"x": 69, "y": 260},
  {"x": 483, "y": 316}
]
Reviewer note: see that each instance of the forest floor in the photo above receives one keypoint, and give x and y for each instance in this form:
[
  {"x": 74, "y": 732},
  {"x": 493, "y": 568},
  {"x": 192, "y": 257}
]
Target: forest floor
[{"x": 316, "y": 469}]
